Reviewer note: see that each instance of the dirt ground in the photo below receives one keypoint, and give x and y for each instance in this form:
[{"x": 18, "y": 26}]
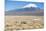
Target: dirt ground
[{"x": 23, "y": 22}]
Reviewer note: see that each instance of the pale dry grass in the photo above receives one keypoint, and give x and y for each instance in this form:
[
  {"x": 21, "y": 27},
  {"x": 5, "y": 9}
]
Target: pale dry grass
[{"x": 24, "y": 22}]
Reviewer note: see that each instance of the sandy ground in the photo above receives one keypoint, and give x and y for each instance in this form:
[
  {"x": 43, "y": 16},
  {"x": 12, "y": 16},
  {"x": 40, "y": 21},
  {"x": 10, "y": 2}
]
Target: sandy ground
[{"x": 23, "y": 22}]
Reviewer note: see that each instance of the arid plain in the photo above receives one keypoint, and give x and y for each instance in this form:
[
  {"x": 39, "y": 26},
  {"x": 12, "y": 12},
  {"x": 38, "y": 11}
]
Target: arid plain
[{"x": 23, "y": 22}]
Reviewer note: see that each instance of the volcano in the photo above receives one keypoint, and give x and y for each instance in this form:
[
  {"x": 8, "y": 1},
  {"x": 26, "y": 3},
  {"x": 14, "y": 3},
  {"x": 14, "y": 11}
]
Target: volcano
[{"x": 34, "y": 11}]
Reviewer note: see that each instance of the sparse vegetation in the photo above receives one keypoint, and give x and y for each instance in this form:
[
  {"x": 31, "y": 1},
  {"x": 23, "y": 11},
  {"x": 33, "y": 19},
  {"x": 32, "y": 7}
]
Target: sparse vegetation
[{"x": 24, "y": 22}]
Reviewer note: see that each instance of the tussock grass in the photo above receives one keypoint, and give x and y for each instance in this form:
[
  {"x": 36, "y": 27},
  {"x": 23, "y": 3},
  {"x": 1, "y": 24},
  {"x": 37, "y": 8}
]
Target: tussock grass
[{"x": 24, "y": 22}]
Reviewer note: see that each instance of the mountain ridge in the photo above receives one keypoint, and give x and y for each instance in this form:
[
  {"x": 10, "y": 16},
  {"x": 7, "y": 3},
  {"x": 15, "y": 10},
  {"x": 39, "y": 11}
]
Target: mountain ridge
[{"x": 26, "y": 11}]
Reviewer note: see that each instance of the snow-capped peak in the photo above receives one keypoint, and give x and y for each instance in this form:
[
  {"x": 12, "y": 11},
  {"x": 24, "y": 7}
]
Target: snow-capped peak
[{"x": 30, "y": 5}]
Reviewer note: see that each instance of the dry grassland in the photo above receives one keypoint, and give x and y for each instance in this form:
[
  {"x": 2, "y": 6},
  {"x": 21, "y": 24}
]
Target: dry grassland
[{"x": 23, "y": 22}]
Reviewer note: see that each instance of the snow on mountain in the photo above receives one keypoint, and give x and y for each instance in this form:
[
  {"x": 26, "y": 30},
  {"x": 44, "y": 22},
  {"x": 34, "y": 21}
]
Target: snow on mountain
[
  {"x": 30, "y": 9},
  {"x": 30, "y": 5}
]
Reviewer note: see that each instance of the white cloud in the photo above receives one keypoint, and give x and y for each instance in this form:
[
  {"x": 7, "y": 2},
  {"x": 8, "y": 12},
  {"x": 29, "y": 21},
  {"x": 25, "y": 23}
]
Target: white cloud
[
  {"x": 30, "y": 0},
  {"x": 30, "y": 5}
]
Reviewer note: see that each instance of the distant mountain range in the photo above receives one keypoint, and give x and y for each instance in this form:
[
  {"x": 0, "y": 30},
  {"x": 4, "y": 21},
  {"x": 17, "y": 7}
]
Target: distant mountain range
[{"x": 26, "y": 11}]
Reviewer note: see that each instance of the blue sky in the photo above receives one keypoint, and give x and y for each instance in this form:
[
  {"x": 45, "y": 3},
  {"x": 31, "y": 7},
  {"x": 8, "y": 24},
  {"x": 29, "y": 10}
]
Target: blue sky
[
  {"x": 28, "y": 0},
  {"x": 11, "y": 5}
]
